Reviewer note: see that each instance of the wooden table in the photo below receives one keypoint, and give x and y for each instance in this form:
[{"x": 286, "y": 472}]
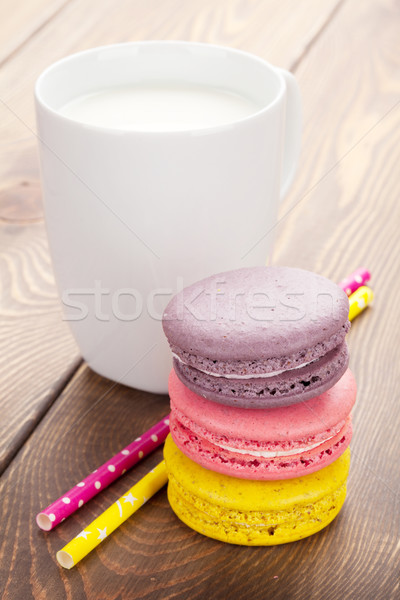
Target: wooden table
[{"x": 59, "y": 420}]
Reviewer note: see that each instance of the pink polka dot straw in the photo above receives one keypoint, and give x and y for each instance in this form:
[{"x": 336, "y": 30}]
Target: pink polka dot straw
[
  {"x": 102, "y": 477},
  {"x": 354, "y": 281}
]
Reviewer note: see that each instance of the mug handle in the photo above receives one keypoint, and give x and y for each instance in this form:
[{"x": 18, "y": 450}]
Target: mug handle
[{"x": 293, "y": 123}]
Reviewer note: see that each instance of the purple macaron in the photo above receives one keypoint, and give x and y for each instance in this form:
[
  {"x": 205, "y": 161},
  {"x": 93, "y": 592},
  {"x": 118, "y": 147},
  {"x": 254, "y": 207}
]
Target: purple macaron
[{"x": 259, "y": 337}]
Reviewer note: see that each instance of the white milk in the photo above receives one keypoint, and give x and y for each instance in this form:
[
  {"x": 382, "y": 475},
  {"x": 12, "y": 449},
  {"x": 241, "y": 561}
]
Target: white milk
[{"x": 159, "y": 107}]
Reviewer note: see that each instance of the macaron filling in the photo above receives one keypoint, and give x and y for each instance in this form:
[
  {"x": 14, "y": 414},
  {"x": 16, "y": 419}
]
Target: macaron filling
[
  {"x": 285, "y": 464},
  {"x": 278, "y": 390},
  {"x": 262, "y": 367},
  {"x": 247, "y": 376},
  {"x": 250, "y": 448},
  {"x": 273, "y": 454}
]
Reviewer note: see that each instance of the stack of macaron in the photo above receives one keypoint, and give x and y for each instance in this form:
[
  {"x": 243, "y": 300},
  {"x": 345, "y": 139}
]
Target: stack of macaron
[{"x": 261, "y": 397}]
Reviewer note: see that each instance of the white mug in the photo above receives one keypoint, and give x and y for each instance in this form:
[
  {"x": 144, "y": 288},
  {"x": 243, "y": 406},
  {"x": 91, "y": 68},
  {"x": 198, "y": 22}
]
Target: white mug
[{"x": 134, "y": 215}]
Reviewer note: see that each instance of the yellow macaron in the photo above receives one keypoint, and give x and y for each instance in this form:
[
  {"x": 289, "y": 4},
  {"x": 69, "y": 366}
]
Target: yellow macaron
[{"x": 249, "y": 512}]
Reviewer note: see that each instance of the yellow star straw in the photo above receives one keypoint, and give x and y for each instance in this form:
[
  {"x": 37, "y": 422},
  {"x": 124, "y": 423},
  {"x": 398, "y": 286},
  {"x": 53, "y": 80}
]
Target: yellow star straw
[
  {"x": 113, "y": 517},
  {"x": 359, "y": 300}
]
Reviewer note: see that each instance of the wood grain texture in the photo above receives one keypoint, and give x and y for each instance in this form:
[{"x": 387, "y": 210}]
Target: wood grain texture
[
  {"x": 37, "y": 352},
  {"x": 343, "y": 212},
  {"x": 343, "y": 216},
  {"x": 20, "y": 20}
]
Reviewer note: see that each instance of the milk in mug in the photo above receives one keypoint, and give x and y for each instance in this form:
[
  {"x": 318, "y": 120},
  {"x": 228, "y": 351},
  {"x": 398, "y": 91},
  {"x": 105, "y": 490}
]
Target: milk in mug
[{"x": 159, "y": 107}]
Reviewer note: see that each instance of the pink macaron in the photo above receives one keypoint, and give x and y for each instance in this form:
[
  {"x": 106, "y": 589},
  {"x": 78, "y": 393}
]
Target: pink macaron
[{"x": 263, "y": 444}]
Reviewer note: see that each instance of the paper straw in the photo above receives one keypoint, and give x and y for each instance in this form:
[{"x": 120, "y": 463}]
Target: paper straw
[
  {"x": 351, "y": 283},
  {"x": 360, "y": 300},
  {"x": 113, "y": 517},
  {"x": 86, "y": 489}
]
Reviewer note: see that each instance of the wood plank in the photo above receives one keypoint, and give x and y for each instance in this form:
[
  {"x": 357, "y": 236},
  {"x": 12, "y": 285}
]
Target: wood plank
[
  {"x": 343, "y": 212},
  {"x": 20, "y": 20},
  {"x": 37, "y": 352},
  {"x": 38, "y": 348}
]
